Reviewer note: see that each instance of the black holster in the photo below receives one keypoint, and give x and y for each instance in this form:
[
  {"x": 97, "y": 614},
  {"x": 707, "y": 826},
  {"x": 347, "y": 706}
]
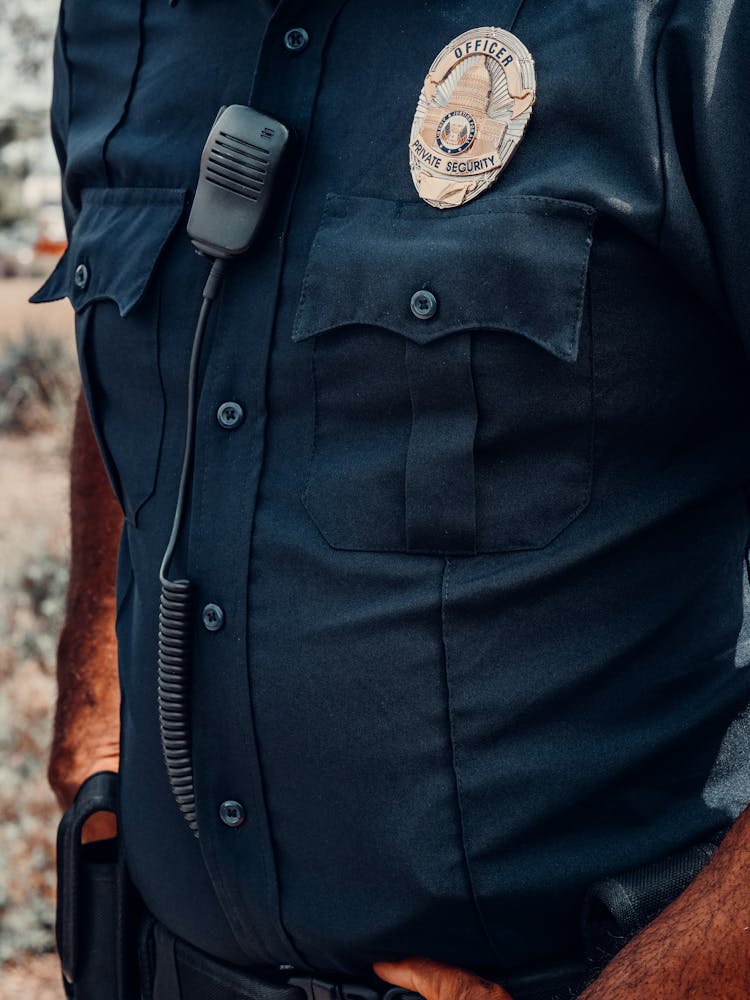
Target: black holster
[{"x": 96, "y": 906}]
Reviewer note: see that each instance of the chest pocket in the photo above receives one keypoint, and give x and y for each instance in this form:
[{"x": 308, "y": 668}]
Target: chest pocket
[
  {"x": 457, "y": 421},
  {"x": 107, "y": 273}
]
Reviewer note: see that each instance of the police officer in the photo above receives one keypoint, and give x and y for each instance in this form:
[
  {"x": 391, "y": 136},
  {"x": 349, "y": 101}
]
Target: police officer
[{"x": 465, "y": 515}]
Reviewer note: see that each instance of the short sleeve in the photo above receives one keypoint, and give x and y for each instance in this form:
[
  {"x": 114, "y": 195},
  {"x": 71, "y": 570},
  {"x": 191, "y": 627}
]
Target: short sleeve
[
  {"x": 60, "y": 113},
  {"x": 702, "y": 80}
]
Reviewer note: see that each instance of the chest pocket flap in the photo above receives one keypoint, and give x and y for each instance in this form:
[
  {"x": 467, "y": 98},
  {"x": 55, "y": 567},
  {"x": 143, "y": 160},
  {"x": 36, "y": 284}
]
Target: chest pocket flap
[
  {"x": 107, "y": 273},
  {"x": 117, "y": 239},
  {"x": 452, "y": 370}
]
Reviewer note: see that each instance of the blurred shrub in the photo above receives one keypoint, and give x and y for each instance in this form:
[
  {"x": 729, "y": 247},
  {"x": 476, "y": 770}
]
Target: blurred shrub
[
  {"x": 44, "y": 584},
  {"x": 37, "y": 384},
  {"x": 32, "y": 613},
  {"x": 28, "y": 812}
]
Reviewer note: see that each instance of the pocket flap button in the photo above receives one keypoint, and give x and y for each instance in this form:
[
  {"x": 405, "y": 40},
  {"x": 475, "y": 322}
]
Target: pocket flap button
[
  {"x": 423, "y": 304},
  {"x": 81, "y": 277}
]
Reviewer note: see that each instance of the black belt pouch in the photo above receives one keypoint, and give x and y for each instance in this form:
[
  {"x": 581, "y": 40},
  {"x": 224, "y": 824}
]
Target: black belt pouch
[
  {"x": 620, "y": 907},
  {"x": 96, "y": 913}
]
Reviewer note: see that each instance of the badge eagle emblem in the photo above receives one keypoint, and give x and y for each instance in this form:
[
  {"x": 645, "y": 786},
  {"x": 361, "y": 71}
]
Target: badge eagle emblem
[{"x": 471, "y": 115}]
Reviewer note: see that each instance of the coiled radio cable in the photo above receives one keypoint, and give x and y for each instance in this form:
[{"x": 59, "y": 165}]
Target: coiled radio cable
[{"x": 176, "y": 603}]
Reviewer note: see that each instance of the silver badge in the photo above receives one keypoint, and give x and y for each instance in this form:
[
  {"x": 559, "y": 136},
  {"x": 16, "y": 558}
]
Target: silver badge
[{"x": 471, "y": 115}]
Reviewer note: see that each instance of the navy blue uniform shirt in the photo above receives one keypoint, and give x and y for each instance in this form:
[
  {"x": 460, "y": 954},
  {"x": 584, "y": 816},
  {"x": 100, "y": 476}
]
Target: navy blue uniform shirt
[{"x": 481, "y": 575}]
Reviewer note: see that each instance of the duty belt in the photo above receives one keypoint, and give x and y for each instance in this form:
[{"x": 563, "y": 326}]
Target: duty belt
[
  {"x": 171, "y": 969},
  {"x": 100, "y": 918}
]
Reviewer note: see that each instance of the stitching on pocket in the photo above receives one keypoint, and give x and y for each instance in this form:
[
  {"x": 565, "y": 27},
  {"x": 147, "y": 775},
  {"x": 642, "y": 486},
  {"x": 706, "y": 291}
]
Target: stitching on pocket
[
  {"x": 454, "y": 760},
  {"x": 313, "y": 250}
]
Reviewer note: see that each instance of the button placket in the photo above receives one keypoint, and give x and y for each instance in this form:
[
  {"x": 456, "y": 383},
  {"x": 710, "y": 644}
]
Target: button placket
[
  {"x": 296, "y": 40},
  {"x": 230, "y": 415},
  {"x": 213, "y": 618},
  {"x": 232, "y": 813},
  {"x": 225, "y": 501}
]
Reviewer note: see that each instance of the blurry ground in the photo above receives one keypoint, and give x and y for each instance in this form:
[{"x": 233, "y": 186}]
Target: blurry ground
[
  {"x": 37, "y": 977},
  {"x": 37, "y": 383}
]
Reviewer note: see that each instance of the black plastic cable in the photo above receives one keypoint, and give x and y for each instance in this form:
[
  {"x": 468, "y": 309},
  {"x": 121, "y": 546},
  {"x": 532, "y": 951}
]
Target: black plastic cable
[{"x": 176, "y": 603}]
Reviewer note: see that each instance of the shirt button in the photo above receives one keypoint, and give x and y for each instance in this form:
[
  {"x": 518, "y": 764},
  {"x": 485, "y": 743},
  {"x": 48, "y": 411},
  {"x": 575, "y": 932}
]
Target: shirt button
[
  {"x": 230, "y": 415},
  {"x": 213, "y": 618},
  {"x": 81, "y": 277},
  {"x": 423, "y": 304},
  {"x": 232, "y": 813},
  {"x": 296, "y": 39}
]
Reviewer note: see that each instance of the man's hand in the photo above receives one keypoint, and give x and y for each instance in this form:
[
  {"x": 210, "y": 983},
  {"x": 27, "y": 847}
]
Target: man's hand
[
  {"x": 86, "y": 733},
  {"x": 698, "y": 947},
  {"x": 436, "y": 981}
]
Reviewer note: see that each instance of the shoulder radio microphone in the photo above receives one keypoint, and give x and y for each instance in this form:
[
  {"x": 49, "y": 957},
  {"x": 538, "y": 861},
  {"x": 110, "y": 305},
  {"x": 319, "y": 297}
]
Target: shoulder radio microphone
[{"x": 240, "y": 169}]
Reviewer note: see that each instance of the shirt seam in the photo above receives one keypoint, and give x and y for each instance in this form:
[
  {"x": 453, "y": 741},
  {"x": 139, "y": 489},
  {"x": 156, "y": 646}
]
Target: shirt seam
[
  {"x": 454, "y": 764},
  {"x": 660, "y": 123},
  {"x": 131, "y": 91}
]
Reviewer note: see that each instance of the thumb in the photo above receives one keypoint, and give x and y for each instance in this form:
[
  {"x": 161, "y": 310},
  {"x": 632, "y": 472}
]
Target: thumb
[{"x": 436, "y": 981}]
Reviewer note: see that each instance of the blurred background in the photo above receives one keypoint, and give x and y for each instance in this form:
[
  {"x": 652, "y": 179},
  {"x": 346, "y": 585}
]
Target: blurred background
[{"x": 38, "y": 383}]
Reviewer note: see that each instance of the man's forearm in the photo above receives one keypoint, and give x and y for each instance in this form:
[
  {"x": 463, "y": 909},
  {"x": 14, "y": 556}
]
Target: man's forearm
[
  {"x": 700, "y": 945},
  {"x": 86, "y": 733}
]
